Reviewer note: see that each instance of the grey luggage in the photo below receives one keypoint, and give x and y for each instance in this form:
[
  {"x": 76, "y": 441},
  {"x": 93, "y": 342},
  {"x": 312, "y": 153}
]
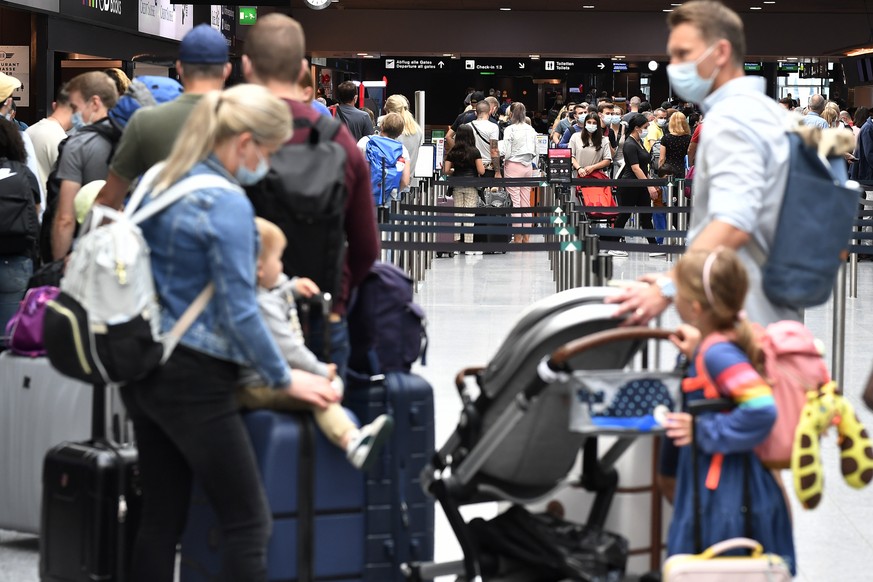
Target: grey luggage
[{"x": 39, "y": 408}]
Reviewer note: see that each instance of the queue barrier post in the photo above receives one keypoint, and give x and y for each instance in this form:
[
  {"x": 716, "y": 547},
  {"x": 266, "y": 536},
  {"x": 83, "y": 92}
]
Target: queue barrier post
[
  {"x": 396, "y": 256},
  {"x": 670, "y": 240},
  {"x": 839, "y": 326}
]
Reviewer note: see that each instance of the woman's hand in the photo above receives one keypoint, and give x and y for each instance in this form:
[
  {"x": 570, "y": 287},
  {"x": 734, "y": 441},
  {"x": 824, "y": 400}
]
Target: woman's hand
[
  {"x": 679, "y": 428},
  {"x": 312, "y": 389},
  {"x": 654, "y": 192},
  {"x": 686, "y": 338},
  {"x": 584, "y": 171}
]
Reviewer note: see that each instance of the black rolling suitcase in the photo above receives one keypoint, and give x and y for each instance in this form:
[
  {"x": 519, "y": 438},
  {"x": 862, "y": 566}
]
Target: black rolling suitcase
[
  {"x": 498, "y": 199},
  {"x": 91, "y": 506},
  {"x": 399, "y": 514}
]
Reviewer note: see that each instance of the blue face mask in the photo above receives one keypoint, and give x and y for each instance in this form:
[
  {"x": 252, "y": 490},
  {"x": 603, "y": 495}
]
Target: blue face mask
[
  {"x": 248, "y": 177},
  {"x": 688, "y": 83},
  {"x": 77, "y": 120}
]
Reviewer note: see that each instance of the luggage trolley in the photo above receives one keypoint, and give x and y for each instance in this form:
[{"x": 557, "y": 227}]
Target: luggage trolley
[{"x": 518, "y": 438}]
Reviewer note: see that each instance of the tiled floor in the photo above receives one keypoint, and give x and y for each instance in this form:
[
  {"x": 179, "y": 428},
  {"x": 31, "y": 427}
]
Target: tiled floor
[{"x": 472, "y": 301}]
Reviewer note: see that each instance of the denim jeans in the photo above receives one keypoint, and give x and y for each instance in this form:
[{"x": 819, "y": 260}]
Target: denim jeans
[
  {"x": 339, "y": 342},
  {"x": 188, "y": 425},
  {"x": 15, "y": 271}
]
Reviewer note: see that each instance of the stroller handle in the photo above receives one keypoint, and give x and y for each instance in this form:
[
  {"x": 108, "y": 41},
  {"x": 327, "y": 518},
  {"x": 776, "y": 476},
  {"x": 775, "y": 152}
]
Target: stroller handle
[{"x": 562, "y": 355}]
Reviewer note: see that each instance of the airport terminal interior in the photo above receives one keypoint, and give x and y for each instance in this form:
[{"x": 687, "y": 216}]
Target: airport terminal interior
[{"x": 543, "y": 54}]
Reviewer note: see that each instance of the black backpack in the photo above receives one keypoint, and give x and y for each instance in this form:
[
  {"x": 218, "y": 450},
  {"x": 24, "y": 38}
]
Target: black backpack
[
  {"x": 53, "y": 184},
  {"x": 19, "y": 223},
  {"x": 305, "y": 195}
]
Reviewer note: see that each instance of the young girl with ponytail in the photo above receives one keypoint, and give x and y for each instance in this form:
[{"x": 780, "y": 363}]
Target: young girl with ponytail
[{"x": 725, "y": 363}]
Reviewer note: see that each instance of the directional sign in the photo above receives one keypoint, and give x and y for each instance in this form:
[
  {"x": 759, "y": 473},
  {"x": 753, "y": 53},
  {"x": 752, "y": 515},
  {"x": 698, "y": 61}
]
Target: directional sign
[
  {"x": 248, "y": 15},
  {"x": 571, "y": 246},
  {"x": 521, "y": 66},
  {"x": 557, "y": 220},
  {"x": 413, "y": 63},
  {"x": 601, "y": 66}
]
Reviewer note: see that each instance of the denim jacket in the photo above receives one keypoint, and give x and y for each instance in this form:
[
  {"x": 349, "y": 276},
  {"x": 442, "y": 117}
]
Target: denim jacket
[{"x": 210, "y": 236}]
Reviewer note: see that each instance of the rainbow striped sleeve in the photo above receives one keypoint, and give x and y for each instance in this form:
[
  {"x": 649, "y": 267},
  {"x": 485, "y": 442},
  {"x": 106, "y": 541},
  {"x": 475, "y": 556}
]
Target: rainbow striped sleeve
[{"x": 734, "y": 375}]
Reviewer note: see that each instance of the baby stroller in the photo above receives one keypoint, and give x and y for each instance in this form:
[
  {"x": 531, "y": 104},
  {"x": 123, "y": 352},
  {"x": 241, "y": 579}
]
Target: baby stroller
[{"x": 514, "y": 443}]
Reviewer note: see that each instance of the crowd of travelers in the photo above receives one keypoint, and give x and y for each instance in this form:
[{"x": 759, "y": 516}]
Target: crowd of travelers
[{"x": 185, "y": 413}]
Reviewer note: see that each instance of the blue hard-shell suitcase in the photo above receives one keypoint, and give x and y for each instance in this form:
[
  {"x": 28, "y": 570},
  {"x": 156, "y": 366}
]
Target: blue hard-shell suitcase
[
  {"x": 316, "y": 498},
  {"x": 399, "y": 514}
]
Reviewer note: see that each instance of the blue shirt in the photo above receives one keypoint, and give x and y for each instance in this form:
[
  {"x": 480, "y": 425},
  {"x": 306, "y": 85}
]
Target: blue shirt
[
  {"x": 814, "y": 119},
  {"x": 741, "y": 174},
  {"x": 863, "y": 168},
  {"x": 210, "y": 236}
]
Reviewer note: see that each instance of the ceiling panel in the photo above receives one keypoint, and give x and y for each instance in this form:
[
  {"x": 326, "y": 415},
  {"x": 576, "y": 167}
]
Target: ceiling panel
[{"x": 741, "y": 6}]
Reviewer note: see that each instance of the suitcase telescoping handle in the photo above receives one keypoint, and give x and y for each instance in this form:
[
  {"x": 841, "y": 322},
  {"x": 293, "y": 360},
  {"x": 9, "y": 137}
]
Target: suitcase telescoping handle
[{"x": 98, "y": 412}]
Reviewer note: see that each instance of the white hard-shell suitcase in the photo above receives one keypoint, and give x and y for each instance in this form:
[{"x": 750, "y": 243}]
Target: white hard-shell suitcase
[{"x": 39, "y": 408}]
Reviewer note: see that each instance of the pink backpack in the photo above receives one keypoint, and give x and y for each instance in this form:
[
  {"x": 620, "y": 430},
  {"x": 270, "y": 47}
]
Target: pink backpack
[
  {"x": 24, "y": 330},
  {"x": 793, "y": 365}
]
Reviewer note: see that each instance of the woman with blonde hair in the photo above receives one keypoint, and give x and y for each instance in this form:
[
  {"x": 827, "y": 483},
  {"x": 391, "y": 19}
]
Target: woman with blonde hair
[
  {"x": 520, "y": 146},
  {"x": 412, "y": 136},
  {"x": 675, "y": 143},
  {"x": 185, "y": 412}
]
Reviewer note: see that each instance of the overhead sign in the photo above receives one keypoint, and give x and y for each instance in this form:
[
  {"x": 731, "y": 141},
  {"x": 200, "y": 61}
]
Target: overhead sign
[
  {"x": 121, "y": 13},
  {"x": 753, "y": 67},
  {"x": 559, "y": 65},
  {"x": 161, "y": 18},
  {"x": 619, "y": 67},
  {"x": 415, "y": 64},
  {"x": 15, "y": 61},
  {"x": 47, "y": 5}
]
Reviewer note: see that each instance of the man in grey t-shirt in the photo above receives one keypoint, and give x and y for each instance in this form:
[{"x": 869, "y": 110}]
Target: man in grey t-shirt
[
  {"x": 358, "y": 122},
  {"x": 85, "y": 155}
]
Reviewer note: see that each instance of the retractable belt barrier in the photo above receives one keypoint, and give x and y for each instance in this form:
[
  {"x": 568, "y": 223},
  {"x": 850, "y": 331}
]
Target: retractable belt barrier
[{"x": 411, "y": 230}]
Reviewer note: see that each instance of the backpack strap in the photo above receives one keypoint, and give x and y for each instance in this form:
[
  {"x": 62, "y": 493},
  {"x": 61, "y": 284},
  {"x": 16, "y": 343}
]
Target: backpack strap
[
  {"x": 710, "y": 391},
  {"x": 171, "y": 340},
  {"x": 173, "y": 194}
]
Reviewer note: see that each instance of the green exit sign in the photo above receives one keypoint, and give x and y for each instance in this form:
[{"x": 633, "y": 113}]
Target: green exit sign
[{"x": 248, "y": 14}]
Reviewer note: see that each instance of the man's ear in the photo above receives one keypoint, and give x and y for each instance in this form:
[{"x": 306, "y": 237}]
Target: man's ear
[
  {"x": 247, "y": 69},
  {"x": 228, "y": 69}
]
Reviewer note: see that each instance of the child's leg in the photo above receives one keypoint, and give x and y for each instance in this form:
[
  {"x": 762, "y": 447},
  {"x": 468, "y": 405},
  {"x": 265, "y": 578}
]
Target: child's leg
[{"x": 335, "y": 424}]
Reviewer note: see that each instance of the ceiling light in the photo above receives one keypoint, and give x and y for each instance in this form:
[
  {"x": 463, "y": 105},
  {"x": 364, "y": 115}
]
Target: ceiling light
[
  {"x": 754, "y": 8},
  {"x": 791, "y": 58},
  {"x": 620, "y": 57},
  {"x": 505, "y": 9},
  {"x": 447, "y": 54},
  {"x": 653, "y": 66},
  {"x": 769, "y": 1},
  {"x": 667, "y": 10},
  {"x": 535, "y": 57},
  {"x": 588, "y": 6},
  {"x": 362, "y": 54}
]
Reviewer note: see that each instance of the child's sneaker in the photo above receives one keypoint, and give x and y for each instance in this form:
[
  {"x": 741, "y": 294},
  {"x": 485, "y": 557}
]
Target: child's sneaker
[{"x": 364, "y": 448}]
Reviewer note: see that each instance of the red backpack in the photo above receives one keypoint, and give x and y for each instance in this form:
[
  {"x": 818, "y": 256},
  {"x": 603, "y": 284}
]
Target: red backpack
[{"x": 793, "y": 365}]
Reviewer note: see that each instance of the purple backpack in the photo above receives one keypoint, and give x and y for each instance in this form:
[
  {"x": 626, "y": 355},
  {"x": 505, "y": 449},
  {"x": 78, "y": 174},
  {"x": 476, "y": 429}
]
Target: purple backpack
[
  {"x": 386, "y": 327},
  {"x": 24, "y": 330}
]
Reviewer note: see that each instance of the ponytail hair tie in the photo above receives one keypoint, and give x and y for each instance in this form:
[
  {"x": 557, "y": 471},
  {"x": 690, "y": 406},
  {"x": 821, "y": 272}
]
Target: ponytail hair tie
[{"x": 707, "y": 271}]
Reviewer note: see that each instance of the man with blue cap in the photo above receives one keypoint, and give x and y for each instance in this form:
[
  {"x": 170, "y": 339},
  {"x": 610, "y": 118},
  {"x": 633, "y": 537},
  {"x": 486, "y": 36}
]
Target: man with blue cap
[{"x": 149, "y": 136}]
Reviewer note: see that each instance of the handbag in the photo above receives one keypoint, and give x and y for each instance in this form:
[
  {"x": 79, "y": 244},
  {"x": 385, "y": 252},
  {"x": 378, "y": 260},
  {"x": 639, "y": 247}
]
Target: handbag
[
  {"x": 711, "y": 566},
  {"x": 24, "y": 331}
]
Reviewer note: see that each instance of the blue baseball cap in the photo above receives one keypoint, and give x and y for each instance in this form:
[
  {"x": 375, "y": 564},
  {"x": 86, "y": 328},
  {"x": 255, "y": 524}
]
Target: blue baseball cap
[{"x": 203, "y": 45}]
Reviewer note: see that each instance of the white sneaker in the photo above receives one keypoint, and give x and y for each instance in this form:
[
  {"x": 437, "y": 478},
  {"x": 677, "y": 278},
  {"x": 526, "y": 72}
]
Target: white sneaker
[
  {"x": 657, "y": 254},
  {"x": 365, "y": 446},
  {"x": 474, "y": 252},
  {"x": 617, "y": 253}
]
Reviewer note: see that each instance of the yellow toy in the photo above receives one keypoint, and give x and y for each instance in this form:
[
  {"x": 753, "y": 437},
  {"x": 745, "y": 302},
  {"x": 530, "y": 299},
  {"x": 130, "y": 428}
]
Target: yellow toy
[{"x": 826, "y": 407}]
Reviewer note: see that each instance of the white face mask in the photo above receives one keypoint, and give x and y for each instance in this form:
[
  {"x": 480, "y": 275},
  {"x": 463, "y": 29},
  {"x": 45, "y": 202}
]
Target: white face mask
[
  {"x": 662, "y": 122},
  {"x": 644, "y": 133},
  {"x": 687, "y": 81},
  {"x": 590, "y": 127}
]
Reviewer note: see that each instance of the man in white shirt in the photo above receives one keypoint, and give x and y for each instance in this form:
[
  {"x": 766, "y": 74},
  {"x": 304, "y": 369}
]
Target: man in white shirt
[
  {"x": 47, "y": 133},
  {"x": 742, "y": 161}
]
